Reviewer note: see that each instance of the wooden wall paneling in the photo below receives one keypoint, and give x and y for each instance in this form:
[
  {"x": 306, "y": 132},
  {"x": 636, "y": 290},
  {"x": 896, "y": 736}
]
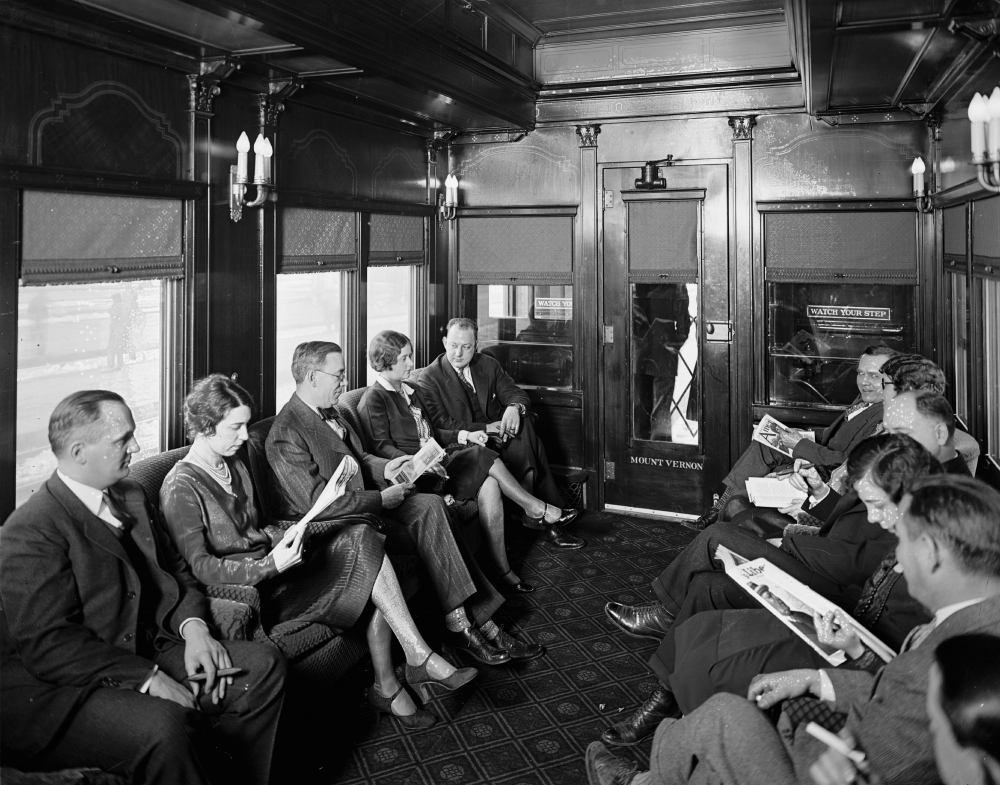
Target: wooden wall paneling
[
  {"x": 10, "y": 222},
  {"x": 685, "y": 139},
  {"x": 796, "y": 157},
  {"x": 86, "y": 109},
  {"x": 437, "y": 255},
  {"x": 562, "y": 432},
  {"x": 357, "y": 367},
  {"x": 742, "y": 289},
  {"x": 973, "y": 329},
  {"x": 589, "y": 332}
]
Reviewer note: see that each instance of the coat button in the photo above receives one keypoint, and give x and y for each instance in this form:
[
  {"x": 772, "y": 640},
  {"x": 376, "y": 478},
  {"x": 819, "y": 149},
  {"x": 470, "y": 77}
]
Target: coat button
[
  {"x": 131, "y": 595},
  {"x": 129, "y": 636}
]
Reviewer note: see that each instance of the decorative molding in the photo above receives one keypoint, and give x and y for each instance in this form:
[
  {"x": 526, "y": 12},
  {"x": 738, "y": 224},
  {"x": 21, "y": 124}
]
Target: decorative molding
[
  {"x": 441, "y": 141},
  {"x": 492, "y": 137},
  {"x": 743, "y": 127},
  {"x": 316, "y": 140},
  {"x": 272, "y": 103},
  {"x": 47, "y": 178},
  {"x": 588, "y": 135},
  {"x": 203, "y": 86},
  {"x": 395, "y": 154}
]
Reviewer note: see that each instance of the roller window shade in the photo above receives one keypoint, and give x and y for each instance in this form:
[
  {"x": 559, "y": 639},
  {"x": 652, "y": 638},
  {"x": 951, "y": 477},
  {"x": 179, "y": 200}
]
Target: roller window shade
[
  {"x": 663, "y": 240},
  {"x": 986, "y": 228},
  {"x": 529, "y": 249},
  {"x": 829, "y": 247},
  {"x": 317, "y": 240},
  {"x": 954, "y": 230},
  {"x": 90, "y": 238},
  {"x": 396, "y": 239}
]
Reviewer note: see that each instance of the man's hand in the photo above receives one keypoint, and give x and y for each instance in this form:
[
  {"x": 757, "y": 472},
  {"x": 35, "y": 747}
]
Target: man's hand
[
  {"x": 202, "y": 652},
  {"x": 162, "y": 686},
  {"x": 511, "y": 421},
  {"x": 288, "y": 552},
  {"x": 806, "y": 478},
  {"x": 478, "y": 437},
  {"x": 833, "y": 768},
  {"x": 768, "y": 689},
  {"x": 394, "y": 495},
  {"x": 394, "y": 466},
  {"x": 788, "y": 438},
  {"x": 833, "y": 629}
]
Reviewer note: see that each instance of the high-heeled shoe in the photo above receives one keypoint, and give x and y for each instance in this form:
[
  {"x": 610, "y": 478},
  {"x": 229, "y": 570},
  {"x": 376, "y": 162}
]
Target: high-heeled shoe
[
  {"x": 520, "y": 587},
  {"x": 568, "y": 516},
  {"x": 419, "y": 720},
  {"x": 418, "y": 678}
]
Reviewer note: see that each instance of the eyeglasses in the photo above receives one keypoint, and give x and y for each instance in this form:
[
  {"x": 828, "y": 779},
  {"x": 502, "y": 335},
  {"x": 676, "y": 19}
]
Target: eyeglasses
[
  {"x": 888, "y": 383},
  {"x": 340, "y": 377},
  {"x": 869, "y": 375}
]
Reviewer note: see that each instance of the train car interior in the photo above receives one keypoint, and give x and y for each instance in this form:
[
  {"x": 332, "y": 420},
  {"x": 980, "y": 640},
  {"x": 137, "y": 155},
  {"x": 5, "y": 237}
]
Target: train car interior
[{"x": 669, "y": 219}]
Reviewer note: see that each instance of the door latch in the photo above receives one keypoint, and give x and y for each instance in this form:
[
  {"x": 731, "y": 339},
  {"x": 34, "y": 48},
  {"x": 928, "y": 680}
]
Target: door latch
[
  {"x": 609, "y": 333},
  {"x": 719, "y": 331}
]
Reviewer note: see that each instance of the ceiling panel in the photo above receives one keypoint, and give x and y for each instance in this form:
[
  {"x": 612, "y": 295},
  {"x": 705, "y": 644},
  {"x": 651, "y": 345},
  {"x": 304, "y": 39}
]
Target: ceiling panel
[
  {"x": 868, "y": 67},
  {"x": 856, "y": 11}
]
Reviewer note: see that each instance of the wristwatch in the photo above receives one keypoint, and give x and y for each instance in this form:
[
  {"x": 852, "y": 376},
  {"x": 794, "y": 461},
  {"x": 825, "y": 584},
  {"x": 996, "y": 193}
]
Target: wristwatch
[{"x": 521, "y": 408}]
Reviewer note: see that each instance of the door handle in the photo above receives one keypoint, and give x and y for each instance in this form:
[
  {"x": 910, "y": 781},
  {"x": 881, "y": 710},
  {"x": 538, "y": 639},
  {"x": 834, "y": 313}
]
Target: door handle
[{"x": 719, "y": 331}]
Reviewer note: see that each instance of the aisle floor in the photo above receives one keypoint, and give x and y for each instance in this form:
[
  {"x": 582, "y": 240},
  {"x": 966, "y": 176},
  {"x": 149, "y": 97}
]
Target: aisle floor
[{"x": 520, "y": 724}]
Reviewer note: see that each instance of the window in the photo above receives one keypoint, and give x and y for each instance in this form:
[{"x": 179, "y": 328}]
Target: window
[
  {"x": 529, "y": 329},
  {"x": 98, "y": 276},
  {"x": 308, "y": 308},
  {"x": 391, "y": 301}
]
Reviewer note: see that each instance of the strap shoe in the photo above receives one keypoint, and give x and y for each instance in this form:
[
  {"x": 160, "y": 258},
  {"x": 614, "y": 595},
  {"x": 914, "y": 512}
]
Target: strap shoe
[
  {"x": 470, "y": 642},
  {"x": 606, "y": 768},
  {"x": 658, "y": 706},
  {"x": 640, "y": 621},
  {"x": 419, "y": 720}
]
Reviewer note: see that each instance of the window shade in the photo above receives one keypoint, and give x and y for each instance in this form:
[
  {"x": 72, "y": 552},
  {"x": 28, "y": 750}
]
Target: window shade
[
  {"x": 663, "y": 240},
  {"x": 396, "y": 239},
  {"x": 986, "y": 227},
  {"x": 89, "y": 238},
  {"x": 529, "y": 249},
  {"x": 954, "y": 230},
  {"x": 317, "y": 240},
  {"x": 828, "y": 247}
]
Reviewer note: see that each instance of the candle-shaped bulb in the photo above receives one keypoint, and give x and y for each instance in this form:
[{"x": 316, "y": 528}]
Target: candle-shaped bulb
[
  {"x": 268, "y": 152},
  {"x": 993, "y": 108},
  {"x": 451, "y": 190},
  {"x": 917, "y": 170},
  {"x": 242, "y": 148},
  {"x": 259, "y": 172},
  {"x": 979, "y": 115}
]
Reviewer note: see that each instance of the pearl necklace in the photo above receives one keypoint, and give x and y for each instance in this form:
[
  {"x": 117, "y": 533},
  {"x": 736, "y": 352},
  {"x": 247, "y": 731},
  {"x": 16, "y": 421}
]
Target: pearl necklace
[{"x": 222, "y": 476}]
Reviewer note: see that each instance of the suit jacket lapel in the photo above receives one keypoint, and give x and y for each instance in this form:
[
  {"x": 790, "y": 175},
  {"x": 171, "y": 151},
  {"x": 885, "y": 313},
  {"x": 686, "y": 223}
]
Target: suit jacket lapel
[
  {"x": 481, "y": 383},
  {"x": 322, "y": 439},
  {"x": 94, "y": 528},
  {"x": 458, "y": 389}
]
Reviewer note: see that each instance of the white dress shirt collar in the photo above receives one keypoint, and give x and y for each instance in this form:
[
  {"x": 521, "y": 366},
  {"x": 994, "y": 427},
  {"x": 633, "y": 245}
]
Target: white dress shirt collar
[
  {"x": 388, "y": 386},
  {"x": 943, "y": 613},
  {"x": 91, "y": 498}
]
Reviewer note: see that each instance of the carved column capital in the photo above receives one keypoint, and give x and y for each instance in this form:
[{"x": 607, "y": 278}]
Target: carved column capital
[
  {"x": 588, "y": 135},
  {"x": 203, "y": 86},
  {"x": 743, "y": 127},
  {"x": 271, "y": 104}
]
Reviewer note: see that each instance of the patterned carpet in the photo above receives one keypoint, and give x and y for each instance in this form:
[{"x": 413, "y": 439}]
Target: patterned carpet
[{"x": 523, "y": 724}]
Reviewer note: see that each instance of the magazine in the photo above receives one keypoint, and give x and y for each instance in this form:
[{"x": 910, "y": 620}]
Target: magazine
[
  {"x": 334, "y": 490},
  {"x": 426, "y": 457},
  {"x": 794, "y": 603},
  {"x": 767, "y": 431},
  {"x": 776, "y": 492}
]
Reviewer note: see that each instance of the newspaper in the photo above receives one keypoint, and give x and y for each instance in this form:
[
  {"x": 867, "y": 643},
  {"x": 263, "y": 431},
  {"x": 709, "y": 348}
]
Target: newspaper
[
  {"x": 767, "y": 431},
  {"x": 334, "y": 490},
  {"x": 794, "y": 603},
  {"x": 426, "y": 457},
  {"x": 776, "y": 492}
]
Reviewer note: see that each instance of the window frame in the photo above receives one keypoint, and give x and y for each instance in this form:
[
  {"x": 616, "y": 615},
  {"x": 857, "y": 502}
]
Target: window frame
[{"x": 177, "y": 295}]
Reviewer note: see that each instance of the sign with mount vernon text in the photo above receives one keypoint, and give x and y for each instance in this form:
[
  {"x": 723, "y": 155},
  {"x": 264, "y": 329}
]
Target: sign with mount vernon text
[{"x": 850, "y": 312}]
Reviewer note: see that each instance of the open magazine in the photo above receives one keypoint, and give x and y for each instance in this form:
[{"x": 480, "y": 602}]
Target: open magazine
[
  {"x": 767, "y": 431},
  {"x": 794, "y": 603},
  {"x": 776, "y": 492},
  {"x": 334, "y": 490},
  {"x": 426, "y": 457}
]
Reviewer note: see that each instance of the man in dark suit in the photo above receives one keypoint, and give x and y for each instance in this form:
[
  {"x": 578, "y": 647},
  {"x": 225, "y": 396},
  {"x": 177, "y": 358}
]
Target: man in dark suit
[
  {"x": 309, "y": 441},
  {"x": 102, "y": 624},
  {"x": 468, "y": 391},
  {"x": 949, "y": 552},
  {"x": 855, "y": 424}
]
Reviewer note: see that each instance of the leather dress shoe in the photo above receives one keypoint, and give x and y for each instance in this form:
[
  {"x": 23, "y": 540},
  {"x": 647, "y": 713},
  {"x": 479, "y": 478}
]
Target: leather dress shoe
[
  {"x": 557, "y": 538},
  {"x": 706, "y": 519},
  {"x": 640, "y": 621},
  {"x": 516, "y": 588},
  {"x": 518, "y": 650},
  {"x": 470, "y": 642},
  {"x": 658, "y": 706},
  {"x": 606, "y": 768},
  {"x": 568, "y": 516}
]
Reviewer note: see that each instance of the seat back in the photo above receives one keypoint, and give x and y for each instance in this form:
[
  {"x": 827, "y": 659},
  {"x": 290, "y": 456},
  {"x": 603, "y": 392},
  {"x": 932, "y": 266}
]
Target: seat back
[
  {"x": 347, "y": 405},
  {"x": 150, "y": 472}
]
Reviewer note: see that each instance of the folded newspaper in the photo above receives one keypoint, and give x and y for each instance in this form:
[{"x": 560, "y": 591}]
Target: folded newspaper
[
  {"x": 426, "y": 457},
  {"x": 767, "y": 431},
  {"x": 794, "y": 603},
  {"x": 334, "y": 490},
  {"x": 776, "y": 492}
]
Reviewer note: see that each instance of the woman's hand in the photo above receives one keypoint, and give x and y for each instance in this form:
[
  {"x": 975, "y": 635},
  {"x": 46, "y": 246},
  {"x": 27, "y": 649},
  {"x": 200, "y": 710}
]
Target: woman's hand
[
  {"x": 834, "y": 629},
  {"x": 288, "y": 552},
  {"x": 768, "y": 689}
]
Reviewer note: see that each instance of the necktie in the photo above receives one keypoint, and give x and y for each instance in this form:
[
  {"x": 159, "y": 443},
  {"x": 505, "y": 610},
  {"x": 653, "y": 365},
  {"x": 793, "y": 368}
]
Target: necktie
[
  {"x": 917, "y": 636},
  {"x": 330, "y": 415},
  {"x": 854, "y": 407},
  {"x": 117, "y": 509},
  {"x": 467, "y": 380}
]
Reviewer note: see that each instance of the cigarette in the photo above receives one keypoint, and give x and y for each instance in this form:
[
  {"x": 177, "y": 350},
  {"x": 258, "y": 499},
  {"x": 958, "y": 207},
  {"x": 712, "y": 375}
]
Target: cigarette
[
  {"x": 219, "y": 673},
  {"x": 834, "y": 742}
]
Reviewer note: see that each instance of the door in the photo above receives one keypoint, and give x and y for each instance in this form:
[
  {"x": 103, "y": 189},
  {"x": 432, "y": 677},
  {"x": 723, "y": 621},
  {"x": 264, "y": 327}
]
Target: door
[{"x": 667, "y": 338}]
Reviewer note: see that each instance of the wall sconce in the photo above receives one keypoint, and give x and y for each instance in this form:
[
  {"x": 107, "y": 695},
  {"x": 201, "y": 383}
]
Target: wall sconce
[
  {"x": 923, "y": 201},
  {"x": 984, "y": 115},
  {"x": 651, "y": 179},
  {"x": 261, "y": 175},
  {"x": 448, "y": 201}
]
